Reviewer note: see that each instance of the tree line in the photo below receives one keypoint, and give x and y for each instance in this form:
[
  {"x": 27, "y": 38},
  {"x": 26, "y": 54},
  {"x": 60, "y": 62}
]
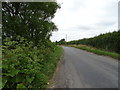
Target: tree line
[{"x": 108, "y": 41}]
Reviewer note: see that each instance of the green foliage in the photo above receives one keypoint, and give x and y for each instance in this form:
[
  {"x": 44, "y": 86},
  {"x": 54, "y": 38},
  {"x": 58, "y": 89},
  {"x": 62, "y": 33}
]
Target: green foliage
[
  {"x": 97, "y": 51},
  {"x": 28, "y": 56},
  {"x": 20, "y": 86},
  {"x": 61, "y": 42},
  {"x": 108, "y": 41},
  {"x": 31, "y": 20},
  {"x": 26, "y": 65}
]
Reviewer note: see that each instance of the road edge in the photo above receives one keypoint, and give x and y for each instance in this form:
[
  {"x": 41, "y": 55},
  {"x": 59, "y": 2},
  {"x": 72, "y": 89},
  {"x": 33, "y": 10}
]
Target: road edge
[{"x": 53, "y": 80}]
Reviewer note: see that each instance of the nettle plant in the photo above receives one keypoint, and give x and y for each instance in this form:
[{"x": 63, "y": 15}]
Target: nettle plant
[{"x": 22, "y": 64}]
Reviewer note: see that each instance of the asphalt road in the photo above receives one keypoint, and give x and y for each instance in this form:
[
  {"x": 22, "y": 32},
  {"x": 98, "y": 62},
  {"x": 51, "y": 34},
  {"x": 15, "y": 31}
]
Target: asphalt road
[{"x": 82, "y": 69}]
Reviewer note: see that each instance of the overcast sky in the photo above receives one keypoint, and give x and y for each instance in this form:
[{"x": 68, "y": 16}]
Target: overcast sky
[{"x": 85, "y": 18}]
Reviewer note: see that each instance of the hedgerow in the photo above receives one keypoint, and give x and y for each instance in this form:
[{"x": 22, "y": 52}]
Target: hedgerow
[
  {"x": 108, "y": 41},
  {"x": 25, "y": 65}
]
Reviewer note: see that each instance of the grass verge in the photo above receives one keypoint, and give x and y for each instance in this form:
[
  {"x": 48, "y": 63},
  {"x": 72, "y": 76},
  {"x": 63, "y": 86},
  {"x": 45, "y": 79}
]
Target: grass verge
[
  {"x": 97, "y": 51},
  {"x": 52, "y": 64}
]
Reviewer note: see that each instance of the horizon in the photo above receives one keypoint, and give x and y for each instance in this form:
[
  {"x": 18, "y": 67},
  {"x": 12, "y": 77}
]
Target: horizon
[{"x": 89, "y": 37}]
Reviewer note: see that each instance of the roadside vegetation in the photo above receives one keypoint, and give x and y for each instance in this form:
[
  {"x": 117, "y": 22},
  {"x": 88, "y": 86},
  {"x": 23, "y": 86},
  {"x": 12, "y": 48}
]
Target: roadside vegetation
[
  {"x": 103, "y": 44},
  {"x": 28, "y": 66},
  {"x": 97, "y": 51},
  {"x": 109, "y": 41},
  {"x": 29, "y": 58}
]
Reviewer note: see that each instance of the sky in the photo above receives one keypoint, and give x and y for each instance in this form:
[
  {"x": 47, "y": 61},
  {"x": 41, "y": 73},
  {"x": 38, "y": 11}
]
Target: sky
[{"x": 78, "y": 19}]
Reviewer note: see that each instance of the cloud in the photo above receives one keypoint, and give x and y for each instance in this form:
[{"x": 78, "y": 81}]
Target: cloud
[
  {"x": 85, "y": 18},
  {"x": 105, "y": 23},
  {"x": 84, "y": 28}
]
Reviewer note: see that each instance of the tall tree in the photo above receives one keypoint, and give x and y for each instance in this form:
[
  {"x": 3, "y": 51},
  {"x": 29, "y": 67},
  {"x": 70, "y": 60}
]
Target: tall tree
[{"x": 31, "y": 20}]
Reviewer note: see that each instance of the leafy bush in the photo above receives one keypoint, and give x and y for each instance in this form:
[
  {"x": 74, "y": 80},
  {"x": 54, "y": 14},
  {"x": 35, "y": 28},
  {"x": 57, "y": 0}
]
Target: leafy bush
[{"x": 25, "y": 65}]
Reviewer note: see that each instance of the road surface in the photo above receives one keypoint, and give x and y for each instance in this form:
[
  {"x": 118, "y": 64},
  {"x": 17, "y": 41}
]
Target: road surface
[{"x": 82, "y": 69}]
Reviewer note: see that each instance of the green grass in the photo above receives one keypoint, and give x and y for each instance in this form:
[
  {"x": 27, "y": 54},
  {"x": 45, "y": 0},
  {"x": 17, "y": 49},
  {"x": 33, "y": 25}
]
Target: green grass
[
  {"x": 97, "y": 51},
  {"x": 52, "y": 64},
  {"x": 55, "y": 57}
]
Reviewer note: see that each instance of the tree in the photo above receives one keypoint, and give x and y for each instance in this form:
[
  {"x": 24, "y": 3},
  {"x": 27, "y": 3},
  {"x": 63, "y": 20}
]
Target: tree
[
  {"x": 62, "y": 41},
  {"x": 31, "y": 20}
]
